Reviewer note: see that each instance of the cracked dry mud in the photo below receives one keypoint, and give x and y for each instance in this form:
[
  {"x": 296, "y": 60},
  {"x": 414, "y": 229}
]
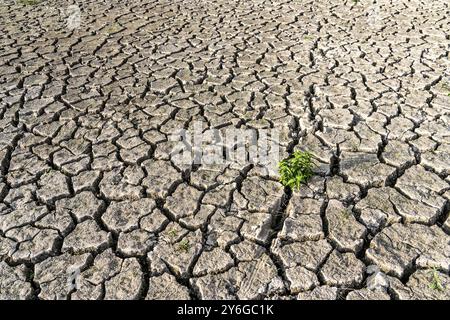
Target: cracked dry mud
[{"x": 93, "y": 206}]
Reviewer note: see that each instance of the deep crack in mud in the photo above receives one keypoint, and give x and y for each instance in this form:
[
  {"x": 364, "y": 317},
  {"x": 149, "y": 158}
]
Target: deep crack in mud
[{"x": 95, "y": 206}]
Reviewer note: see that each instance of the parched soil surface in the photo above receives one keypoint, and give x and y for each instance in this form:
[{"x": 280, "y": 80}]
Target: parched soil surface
[{"x": 95, "y": 206}]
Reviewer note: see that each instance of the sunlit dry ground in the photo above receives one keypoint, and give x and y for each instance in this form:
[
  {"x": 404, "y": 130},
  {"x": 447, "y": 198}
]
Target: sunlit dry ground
[{"x": 93, "y": 206}]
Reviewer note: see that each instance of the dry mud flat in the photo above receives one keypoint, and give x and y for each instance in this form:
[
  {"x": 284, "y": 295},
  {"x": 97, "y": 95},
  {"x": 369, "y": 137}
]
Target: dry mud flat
[{"x": 93, "y": 205}]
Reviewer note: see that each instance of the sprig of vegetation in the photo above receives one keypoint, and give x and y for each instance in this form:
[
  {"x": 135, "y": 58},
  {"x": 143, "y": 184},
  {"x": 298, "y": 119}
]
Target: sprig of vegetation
[
  {"x": 173, "y": 233},
  {"x": 184, "y": 245},
  {"x": 436, "y": 283},
  {"x": 446, "y": 87},
  {"x": 296, "y": 169}
]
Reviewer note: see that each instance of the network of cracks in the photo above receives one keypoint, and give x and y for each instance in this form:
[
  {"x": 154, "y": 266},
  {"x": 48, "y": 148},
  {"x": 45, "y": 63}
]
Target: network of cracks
[{"x": 95, "y": 206}]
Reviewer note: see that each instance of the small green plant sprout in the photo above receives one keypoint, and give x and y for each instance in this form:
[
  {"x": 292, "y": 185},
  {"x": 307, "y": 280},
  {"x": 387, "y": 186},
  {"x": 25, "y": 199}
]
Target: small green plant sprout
[
  {"x": 446, "y": 87},
  {"x": 435, "y": 283},
  {"x": 354, "y": 146},
  {"x": 184, "y": 245},
  {"x": 296, "y": 169},
  {"x": 173, "y": 233}
]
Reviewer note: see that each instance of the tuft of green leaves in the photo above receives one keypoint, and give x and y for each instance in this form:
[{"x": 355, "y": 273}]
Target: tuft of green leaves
[
  {"x": 296, "y": 169},
  {"x": 184, "y": 245},
  {"x": 173, "y": 233},
  {"x": 435, "y": 283},
  {"x": 446, "y": 87}
]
